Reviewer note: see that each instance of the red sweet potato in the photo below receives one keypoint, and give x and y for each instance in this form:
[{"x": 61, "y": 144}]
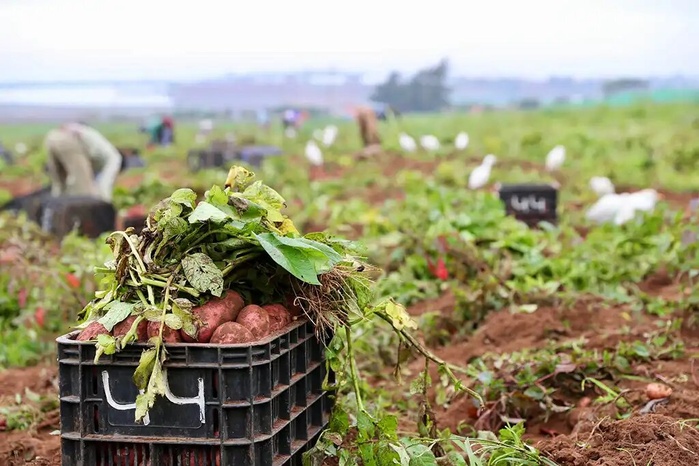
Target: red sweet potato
[
  {"x": 169, "y": 335},
  {"x": 255, "y": 319},
  {"x": 214, "y": 313},
  {"x": 230, "y": 333},
  {"x": 91, "y": 331},
  {"x": 123, "y": 327},
  {"x": 279, "y": 316}
]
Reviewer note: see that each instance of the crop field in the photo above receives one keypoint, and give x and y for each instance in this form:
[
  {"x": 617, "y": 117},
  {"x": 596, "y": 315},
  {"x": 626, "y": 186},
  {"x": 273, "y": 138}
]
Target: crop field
[{"x": 570, "y": 344}]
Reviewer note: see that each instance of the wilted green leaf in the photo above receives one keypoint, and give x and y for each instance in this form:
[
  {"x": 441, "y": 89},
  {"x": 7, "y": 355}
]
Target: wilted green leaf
[
  {"x": 400, "y": 318},
  {"x": 153, "y": 314},
  {"x": 174, "y": 226},
  {"x": 184, "y": 196},
  {"x": 184, "y": 305},
  {"x": 216, "y": 196},
  {"x": 268, "y": 198},
  {"x": 144, "y": 402},
  {"x": 205, "y": 212},
  {"x": 182, "y": 308},
  {"x": 131, "y": 334},
  {"x": 173, "y": 321},
  {"x": 420, "y": 383},
  {"x": 239, "y": 178},
  {"x": 106, "y": 344},
  {"x": 202, "y": 273},
  {"x": 144, "y": 369},
  {"x": 116, "y": 312}
]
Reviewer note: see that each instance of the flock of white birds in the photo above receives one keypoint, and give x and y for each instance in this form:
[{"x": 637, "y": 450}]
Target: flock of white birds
[{"x": 617, "y": 208}]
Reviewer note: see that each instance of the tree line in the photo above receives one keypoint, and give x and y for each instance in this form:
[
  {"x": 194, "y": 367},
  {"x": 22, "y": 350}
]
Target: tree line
[{"x": 426, "y": 91}]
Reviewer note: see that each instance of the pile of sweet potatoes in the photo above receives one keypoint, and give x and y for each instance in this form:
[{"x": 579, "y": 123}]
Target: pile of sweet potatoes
[{"x": 226, "y": 320}]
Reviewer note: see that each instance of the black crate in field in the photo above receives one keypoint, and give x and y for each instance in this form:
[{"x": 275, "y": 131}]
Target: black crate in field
[
  {"x": 201, "y": 159},
  {"x": 228, "y": 405},
  {"x": 530, "y": 203},
  {"x": 91, "y": 216},
  {"x": 30, "y": 203}
]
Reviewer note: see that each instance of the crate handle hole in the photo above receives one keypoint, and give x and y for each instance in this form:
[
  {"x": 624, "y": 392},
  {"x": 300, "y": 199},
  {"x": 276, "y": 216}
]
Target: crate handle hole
[
  {"x": 94, "y": 381},
  {"x": 215, "y": 422},
  {"x": 96, "y": 419}
]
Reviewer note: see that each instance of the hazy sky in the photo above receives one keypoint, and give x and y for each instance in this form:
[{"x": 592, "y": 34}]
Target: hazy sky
[{"x": 124, "y": 39}]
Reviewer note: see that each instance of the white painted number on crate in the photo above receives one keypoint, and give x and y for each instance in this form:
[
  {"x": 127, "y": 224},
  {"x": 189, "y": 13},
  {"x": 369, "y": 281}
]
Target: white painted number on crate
[
  {"x": 119, "y": 406},
  {"x": 197, "y": 400},
  {"x": 526, "y": 204}
]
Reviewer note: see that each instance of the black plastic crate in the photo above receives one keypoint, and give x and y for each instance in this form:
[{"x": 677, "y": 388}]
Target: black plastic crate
[
  {"x": 234, "y": 405},
  {"x": 531, "y": 203},
  {"x": 201, "y": 159},
  {"x": 91, "y": 216},
  {"x": 30, "y": 203},
  {"x": 254, "y": 155}
]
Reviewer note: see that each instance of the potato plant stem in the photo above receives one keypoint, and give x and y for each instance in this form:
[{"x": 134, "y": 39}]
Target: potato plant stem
[
  {"x": 160, "y": 284},
  {"x": 449, "y": 369},
  {"x": 240, "y": 260},
  {"x": 353, "y": 369}
]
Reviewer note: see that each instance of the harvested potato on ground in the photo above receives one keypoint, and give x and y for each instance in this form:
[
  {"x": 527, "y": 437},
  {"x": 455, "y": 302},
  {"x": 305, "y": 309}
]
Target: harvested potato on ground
[
  {"x": 91, "y": 331},
  {"x": 656, "y": 391},
  {"x": 255, "y": 319},
  {"x": 169, "y": 335},
  {"x": 230, "y": 333},
  {"x": 123, "y": 327},
  {"x": 294, "y": 309},
  {"x": 214, "y": 313},
  {"x": 279, "y": 316}
]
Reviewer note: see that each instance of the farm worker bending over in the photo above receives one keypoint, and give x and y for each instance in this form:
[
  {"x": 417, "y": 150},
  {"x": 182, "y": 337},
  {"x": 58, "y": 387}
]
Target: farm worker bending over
[
  {"x": 81, "y": 162},
  {"x": 368, "y": 126}
]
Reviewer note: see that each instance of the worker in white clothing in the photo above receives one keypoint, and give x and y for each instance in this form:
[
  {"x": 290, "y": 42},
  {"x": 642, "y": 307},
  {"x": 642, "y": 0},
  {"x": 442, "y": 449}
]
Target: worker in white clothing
[{"x": 81, "y": 161}]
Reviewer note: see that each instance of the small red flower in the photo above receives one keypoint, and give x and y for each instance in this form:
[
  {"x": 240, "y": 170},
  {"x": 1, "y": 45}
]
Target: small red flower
[
  {"x": 442, "y": 272},
  {"x": 439, "y": 270},
  {"x": 40, "y": 316},
  {"x": 73, "y": 281}
]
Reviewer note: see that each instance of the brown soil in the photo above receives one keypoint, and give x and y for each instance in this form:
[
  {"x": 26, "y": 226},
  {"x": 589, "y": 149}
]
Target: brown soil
[
  {"x": 36, "y": 447},
  {"x": 651, "y": 439},
  {"x": 654, "y": 436},
  {"x": 399, "y": 164},
  {"x": 444, "y": 304}
]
